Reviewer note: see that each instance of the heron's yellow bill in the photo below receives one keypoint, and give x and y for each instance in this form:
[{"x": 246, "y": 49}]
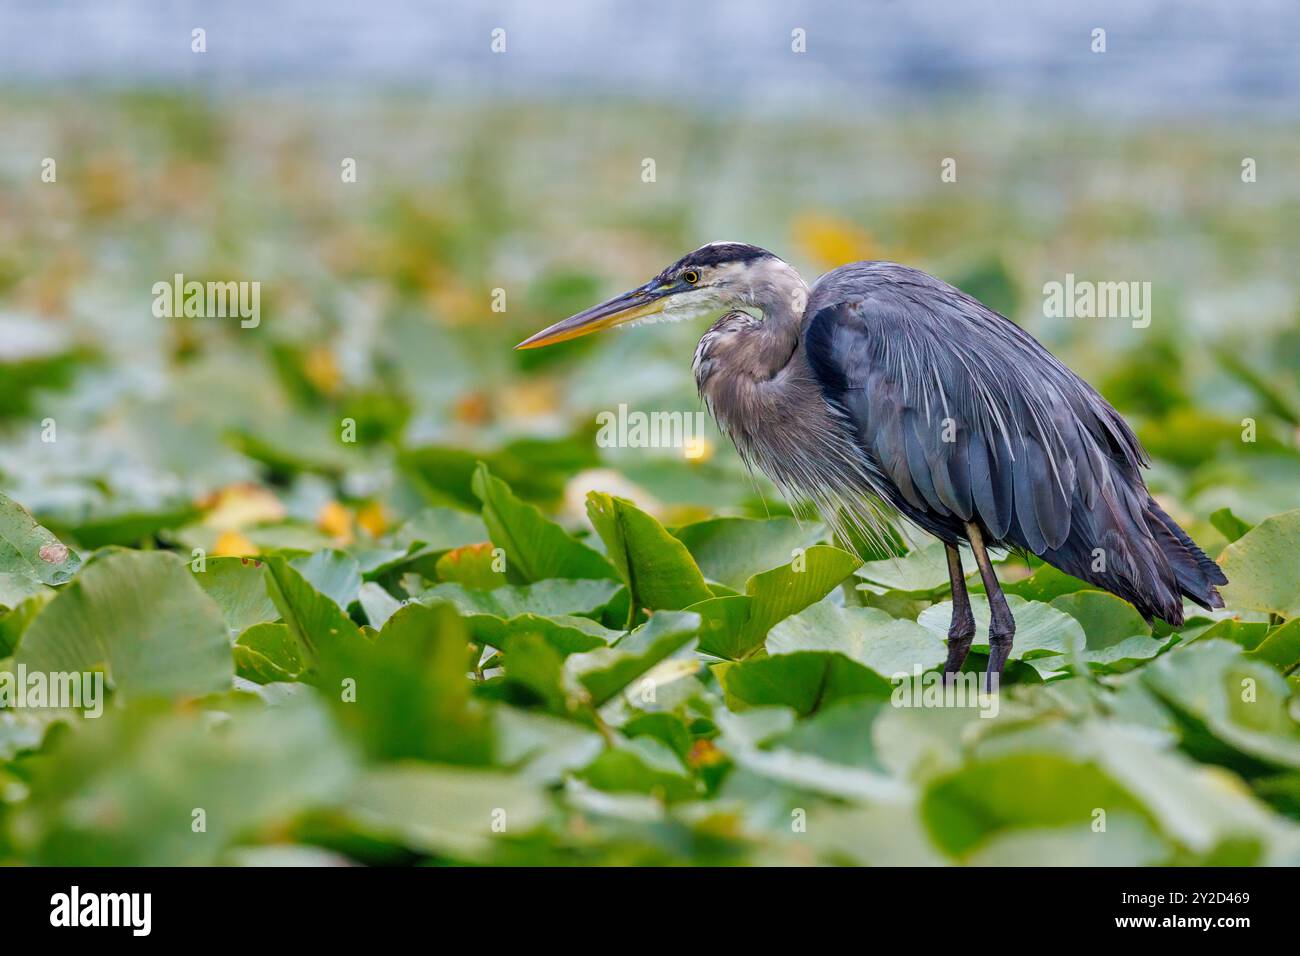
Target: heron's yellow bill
[{"x": 617, "y": 311}]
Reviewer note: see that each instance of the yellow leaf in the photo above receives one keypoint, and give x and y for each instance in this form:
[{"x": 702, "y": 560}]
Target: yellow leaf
[
  {"x": 321, "y": 369},
  {"x": 373, "y": 518},
  {"x": 831, "y": 241},
  {"x": 232, "y": 544},
  {"x": 336, "y": 521},
  {"x": 242, "y": 506}
]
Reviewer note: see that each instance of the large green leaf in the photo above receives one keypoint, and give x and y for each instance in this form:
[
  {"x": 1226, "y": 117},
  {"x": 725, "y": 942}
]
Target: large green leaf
[
  {"x": 641, "y": 765},
  {"x": 421, "y": 539},
  {"x": 139, "y": 615},
  {"x": 1281, "y": 647},
  {"x": 238, "y": 585},
  {"x": 732, "y": 550},
  {"x": 1114, "y": 632},
  {"x": 564, "y": 633},
  {"x": 1046, "y": 638},
  {"x": 445, "y": 810},
  {"x": 922, "y": 570},
  {"x": 803, "y": 680},
  {"x": 871, "y": 637},
  {"x": 317, "y": 622},
  {"x": 333, "y": 573},
  {"x": 161, "y": 787},
  {"x": 1263, "y": 567},
  {"x": 548, "y": 598},
  {"x": 267, "y": 653},
  {"x": 1237, "y": 699},
  {"x": 659, "y": 572},
  {"x": 606, "y": 671},
  {"x": 1045, "y": 584},
  {"x": 1018, "y": 792},
  {"x": 1229, "y": 525},
  {"x": 535, "y": 546},
  {"x": 408, "y": 693},
  {"x": 31, "y": 551},
  {"x": 736, "y": 626}
]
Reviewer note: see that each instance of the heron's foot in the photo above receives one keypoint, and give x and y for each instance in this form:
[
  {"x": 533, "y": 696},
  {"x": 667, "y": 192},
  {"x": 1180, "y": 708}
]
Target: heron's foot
[
  {"x": 960, "y": 635},
  {"x": 999, "y": 650}
]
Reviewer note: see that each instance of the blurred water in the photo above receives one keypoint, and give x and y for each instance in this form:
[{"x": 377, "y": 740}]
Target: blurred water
[{"x": 1163, "y": 56}]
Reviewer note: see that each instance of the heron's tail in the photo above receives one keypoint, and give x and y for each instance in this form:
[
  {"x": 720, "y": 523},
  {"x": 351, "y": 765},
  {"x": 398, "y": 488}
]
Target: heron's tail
[
  {"x": 1195, "y": 575},
  {"x": 1136, "y": 551}
]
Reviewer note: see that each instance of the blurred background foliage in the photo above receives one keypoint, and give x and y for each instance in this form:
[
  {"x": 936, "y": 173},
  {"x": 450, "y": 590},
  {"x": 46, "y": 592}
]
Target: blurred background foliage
[{"x": 484, "y": 691}]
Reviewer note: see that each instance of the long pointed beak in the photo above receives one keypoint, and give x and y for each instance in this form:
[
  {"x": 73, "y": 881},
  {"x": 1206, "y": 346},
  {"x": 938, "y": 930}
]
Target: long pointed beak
[{"x": 649, "y": 299}]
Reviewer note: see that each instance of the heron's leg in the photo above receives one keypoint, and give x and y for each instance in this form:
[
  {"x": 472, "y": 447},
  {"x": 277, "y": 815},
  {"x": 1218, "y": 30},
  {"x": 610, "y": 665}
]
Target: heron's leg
[
  {"x": 962, "y": 628},
  {"x": 1002, "y": 626}
]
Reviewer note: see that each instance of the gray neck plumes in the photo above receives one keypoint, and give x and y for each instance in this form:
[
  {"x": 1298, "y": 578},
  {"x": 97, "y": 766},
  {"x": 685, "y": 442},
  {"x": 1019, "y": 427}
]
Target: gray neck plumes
[
  {"x": 742, "y": 355},
  {"x": 776, "y": 290}
]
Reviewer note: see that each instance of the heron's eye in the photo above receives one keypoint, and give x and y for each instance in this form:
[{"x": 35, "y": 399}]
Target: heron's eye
[{"x": 690, "y": 277}]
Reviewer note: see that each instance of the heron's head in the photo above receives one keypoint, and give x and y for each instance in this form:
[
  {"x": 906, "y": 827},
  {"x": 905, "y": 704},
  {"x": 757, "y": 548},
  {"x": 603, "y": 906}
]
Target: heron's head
[{"x": 718, "y": 276}]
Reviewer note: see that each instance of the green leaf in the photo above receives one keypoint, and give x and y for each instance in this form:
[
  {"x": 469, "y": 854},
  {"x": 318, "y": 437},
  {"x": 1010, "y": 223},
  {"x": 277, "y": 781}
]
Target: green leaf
[
  {"x": 124, "y": 790},
  {"x": 867, "y": 635},
  {"x": 1248, "y": 634},
  {"x": 1281, "y": 647},
  {"x": 1263, "y": 567},
  {"x": 535, "y": 546},
  {"x": 922, "y": 570},
  {"x": 238, "y": 585},
  {"x": 1127, "y": 841},
  {"x": 803, "y": 680},
  {"x": 842, "y": 733},
  {"x": 333, "y": 573},
  {"x": 15, "y": 588},
  {"x": 1237, "y": 699},
  {"x": 642, "y": 765},
  {"x": 605, "y": 672},
  {"x": 731, "y": 550},
  {"x": 474, "y": 565},
  {"x": 1021, "y": 791},
  {"x": 139, "y": 615},
  {"x": 1045, "y": 584},
  {"x": 659, "y": 572},
  {"x": 547, "y": 598},
  {"x": 428, "y": 534},
  {"x": 1229, "y": 525},
  {"x": 31, "y": 551},
  {"x": 316, "y": 621},
  {"x": 14, "y": 622},
  {"x": 267, "y": 653},
  {"x": 447, "y": 811},
  {"x": 1046, "y": 638},
  {"x": 535, "y": 668},
  {"x": 130, "y": 527},
  {"x": 1115, "y": 634},
  {"x": 736, "y": 626},
  {"x": 377, "y": 604},
  {"x": 411, "y": 695},
  {"x": 564, "y": 633}
]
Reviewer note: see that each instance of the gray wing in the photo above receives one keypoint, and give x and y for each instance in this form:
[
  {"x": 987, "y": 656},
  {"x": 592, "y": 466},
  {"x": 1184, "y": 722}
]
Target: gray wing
[
  {"x": 971, "y": 419},
  {"x": 968, "y": 415}
]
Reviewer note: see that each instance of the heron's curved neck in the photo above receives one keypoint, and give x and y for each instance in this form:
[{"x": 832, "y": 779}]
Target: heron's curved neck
[{"x": 779, "y": 292}]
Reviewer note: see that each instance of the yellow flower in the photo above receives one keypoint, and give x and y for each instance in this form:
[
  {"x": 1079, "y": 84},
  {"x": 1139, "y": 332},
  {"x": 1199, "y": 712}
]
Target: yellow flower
[
  {"x": 232, "y": 544},
  {"x": 321, "y": 369},
  {"x": 831, "y": 242},
  {"x": 242, "y": 506},
  {"x": 336, "y": 521},
  {"x": 373, "y": 518}
]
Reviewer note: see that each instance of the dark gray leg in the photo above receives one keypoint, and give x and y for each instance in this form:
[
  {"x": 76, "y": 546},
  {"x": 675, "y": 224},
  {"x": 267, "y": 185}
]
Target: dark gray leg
[
  {"x": 1002, "y": 626},
  {"x": 962, "y": 628}
]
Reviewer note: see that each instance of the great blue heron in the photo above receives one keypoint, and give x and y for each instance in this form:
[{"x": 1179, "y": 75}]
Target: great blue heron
[{"x": 884, "y": 385}]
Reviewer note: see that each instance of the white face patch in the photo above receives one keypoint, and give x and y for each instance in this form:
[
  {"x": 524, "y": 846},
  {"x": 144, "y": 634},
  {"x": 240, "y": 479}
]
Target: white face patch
[{"x": 683, "y": 307}]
